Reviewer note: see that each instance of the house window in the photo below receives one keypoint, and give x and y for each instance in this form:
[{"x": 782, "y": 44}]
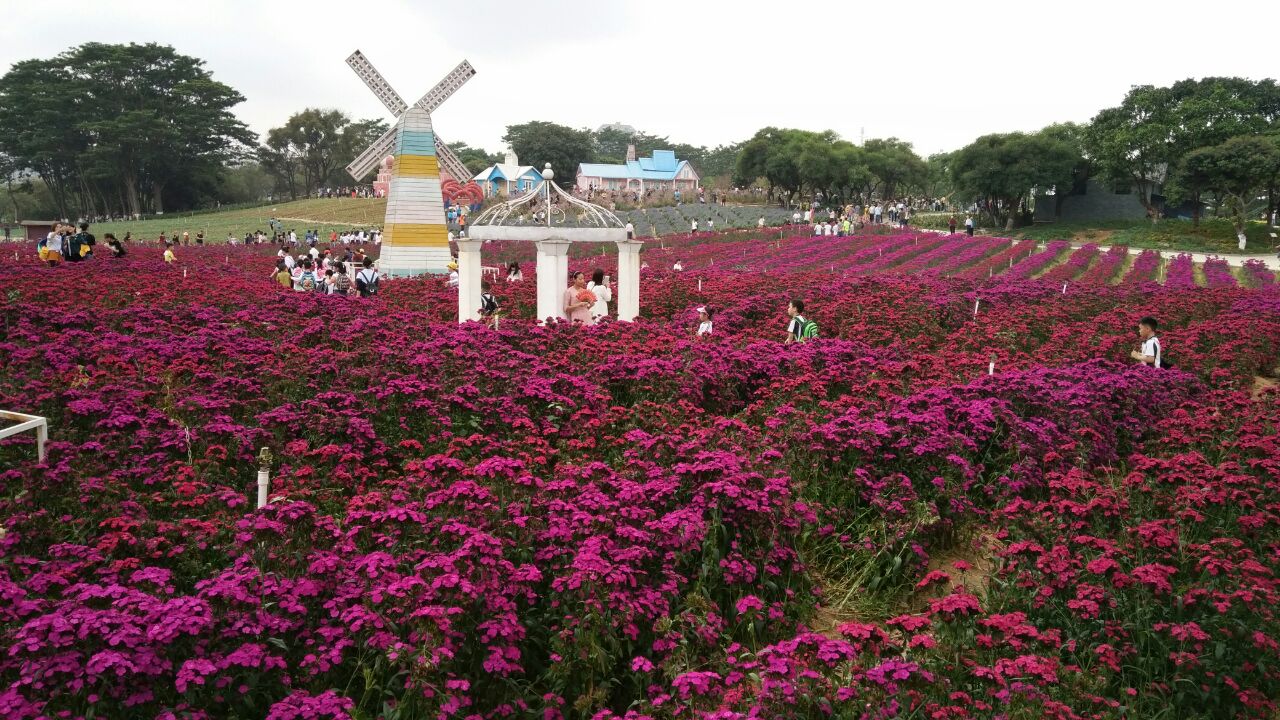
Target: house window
[{"x": 1123, "y": 188}]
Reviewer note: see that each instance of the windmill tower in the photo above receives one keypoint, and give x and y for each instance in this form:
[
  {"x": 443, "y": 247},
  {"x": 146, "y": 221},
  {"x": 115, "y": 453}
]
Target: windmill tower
[{"x": 415, "y": 239}]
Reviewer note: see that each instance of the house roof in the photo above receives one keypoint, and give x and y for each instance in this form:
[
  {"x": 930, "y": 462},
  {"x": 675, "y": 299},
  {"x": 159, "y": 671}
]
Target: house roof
[
  {"x": 662, "y": 166},
  {"x": 505, "y": 171}
]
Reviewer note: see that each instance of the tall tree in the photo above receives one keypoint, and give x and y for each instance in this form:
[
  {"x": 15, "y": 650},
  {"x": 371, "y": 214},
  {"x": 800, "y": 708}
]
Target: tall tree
[
  {"x": 1239, "y": 169},
  {"x": 1000, "y": 170},
  {"x": 1133, "y": 144},
  {"x": 539, "y": 142},
  {"x": 312, "y": 148},
  {"x": 119, "y": 126},
  {"x": 893, "y": 164}
]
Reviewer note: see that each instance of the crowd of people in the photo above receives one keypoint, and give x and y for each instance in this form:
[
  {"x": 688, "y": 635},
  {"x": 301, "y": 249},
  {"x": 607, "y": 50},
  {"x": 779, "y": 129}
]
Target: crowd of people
[{"x": 330, "y": 272}]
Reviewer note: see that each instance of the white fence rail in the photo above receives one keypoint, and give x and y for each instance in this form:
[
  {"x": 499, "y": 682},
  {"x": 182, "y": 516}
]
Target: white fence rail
[{"x": 24, "y": 423}]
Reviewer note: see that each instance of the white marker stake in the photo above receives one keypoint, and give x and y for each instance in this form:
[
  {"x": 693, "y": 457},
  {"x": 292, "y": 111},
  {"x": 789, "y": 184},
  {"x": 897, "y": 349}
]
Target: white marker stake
[
  {"x": 1064, "y": 288},
  {"x": 184, "y": 272},
  {"x": 226, "y": 260},
  {"x": 991, "y": 368},
  {"x": 975, "y": 308},
  {"x": 699, "y": 284}
]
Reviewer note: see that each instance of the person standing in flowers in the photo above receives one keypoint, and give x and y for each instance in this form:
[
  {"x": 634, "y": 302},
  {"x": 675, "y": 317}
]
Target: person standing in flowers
[
  {"x": 367, "y": 279},
  {"x": 604, "y": 294},
  {"x": 704, "y": 317},
  {"x": 799, "y": 329},
  {"x": 488, "y": 304},
  {"x": 282, "y": 275},
  {"x": 169, "y": 257},
  {"x": 1149, "y": 352},
  {"x": 578, "y": 300}
]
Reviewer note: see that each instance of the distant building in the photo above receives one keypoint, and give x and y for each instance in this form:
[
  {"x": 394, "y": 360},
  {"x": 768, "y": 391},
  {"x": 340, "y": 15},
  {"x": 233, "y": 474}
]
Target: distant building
[
  {"x": 37, "y": 229},
  {"x": 508, "y": 177},
  {"x": 1094, "y": 200},
  {"x": 617, "y": 127},
  {"x": 660, "y": 172}
]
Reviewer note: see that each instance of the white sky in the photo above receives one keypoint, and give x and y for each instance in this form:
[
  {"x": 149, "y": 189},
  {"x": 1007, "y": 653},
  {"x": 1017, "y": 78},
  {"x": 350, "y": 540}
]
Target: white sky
[{"x": 937, "y": 74}]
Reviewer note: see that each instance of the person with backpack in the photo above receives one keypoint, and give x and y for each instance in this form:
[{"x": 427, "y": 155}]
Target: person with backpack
[
  {"x": 488, "y": 304},
  {"x": 341, "y": 280},
  {"x": 367, "y": 279},
  {"x": 1150, "y": 351},
  {"x": 799, "y": 329},
  {"x": 307, "y": 279}
]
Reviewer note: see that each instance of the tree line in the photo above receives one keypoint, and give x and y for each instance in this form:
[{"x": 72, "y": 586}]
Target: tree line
[{"x": 137, "y": 129}]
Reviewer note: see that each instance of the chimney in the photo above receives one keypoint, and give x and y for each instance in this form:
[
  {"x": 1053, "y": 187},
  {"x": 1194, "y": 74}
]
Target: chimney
[
  {"x": 631, "y": 153},
  {"x": 511, "y": 158}
]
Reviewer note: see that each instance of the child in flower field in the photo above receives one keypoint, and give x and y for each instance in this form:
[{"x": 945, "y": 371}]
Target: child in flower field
[
  {"x": 488, "y": 304},
  {"x": 282, "y": 276},
  {"x": 704, "y": 317},
  {"x": 169, "y": 257},
  {"x": 1149, "y": 353},
  {"x": 799, "y": 329}
]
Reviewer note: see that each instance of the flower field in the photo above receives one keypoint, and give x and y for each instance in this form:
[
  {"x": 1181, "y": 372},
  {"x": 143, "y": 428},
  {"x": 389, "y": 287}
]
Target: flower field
[{"x": 625, "y": 521}]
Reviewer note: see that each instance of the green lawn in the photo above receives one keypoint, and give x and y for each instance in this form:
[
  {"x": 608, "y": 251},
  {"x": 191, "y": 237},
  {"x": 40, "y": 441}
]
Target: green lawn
[
  {"x": 1215, "y": 235},
  {"x": 300, "y": 215}
]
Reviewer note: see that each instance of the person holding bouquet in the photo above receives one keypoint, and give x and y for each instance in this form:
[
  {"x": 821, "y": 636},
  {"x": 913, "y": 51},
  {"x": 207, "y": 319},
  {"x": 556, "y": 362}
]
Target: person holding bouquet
[{"x": 578, "y": 300}]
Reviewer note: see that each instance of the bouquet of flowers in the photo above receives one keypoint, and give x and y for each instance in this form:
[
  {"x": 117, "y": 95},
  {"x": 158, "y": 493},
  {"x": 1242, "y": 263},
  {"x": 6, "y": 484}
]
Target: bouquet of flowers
[{"x": 587, "y": 296}]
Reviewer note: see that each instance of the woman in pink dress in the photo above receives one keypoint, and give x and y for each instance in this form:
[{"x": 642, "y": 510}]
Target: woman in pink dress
[{"x": 578, "y": 300}]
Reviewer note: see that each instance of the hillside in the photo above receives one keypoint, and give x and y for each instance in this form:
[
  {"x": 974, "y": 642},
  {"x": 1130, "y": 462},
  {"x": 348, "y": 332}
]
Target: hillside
[{"x": 317, "y": 214}]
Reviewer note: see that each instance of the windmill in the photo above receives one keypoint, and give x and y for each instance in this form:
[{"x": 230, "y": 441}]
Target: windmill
[{"x": 414, "y": 236}]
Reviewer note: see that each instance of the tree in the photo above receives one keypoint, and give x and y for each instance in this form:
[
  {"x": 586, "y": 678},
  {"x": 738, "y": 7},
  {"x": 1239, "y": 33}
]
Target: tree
[
  {"x": 937, "y": 182},
  {"x": 312, "y": 149},
  {"x": 1133, "y": 143},
  {"x": 475, "y": 159},
  {"x": 539, "y": 142},
  {"x": 893, "y": 164},
  {"x": 1072, "y": 135},
  {"x": 120, "y": 127},
  {"x": 1239, "y": 169},
  {"x": 1000, "y": 170}
]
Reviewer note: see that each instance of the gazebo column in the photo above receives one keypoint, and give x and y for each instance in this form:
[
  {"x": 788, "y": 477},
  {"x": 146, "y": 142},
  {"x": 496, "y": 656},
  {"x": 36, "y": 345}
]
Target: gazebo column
[
  {"x": 469, "y": 276},
  {"x": 629, "y": 279},
  {"x": 553, "y": 278}
]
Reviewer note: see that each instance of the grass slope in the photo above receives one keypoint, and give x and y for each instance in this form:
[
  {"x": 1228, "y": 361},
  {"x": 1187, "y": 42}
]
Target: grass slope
[{"x": 300, "y": 215}]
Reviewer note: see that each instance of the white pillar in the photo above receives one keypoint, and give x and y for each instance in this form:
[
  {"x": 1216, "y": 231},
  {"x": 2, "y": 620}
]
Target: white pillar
[
  {"x": 629, "y": 279},
  {"x": 553, "y": 278},
  {"x": 469, "y": 276}
]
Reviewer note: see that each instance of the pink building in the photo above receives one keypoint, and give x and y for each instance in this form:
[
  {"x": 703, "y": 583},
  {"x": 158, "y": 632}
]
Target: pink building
[{"x": 660, "y": 172}]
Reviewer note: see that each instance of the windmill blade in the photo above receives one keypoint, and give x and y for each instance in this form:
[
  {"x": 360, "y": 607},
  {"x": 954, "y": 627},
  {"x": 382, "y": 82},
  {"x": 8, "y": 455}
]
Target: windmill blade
[
  {"x": 378, "y": 84},
  {"x": 450, "y": 163},
  {"x": 369, "y": 159},
  {"x": 446, "y": 87}
]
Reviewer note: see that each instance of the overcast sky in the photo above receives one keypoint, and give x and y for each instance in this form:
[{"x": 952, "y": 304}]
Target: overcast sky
[{"x": 937, "y": 74}]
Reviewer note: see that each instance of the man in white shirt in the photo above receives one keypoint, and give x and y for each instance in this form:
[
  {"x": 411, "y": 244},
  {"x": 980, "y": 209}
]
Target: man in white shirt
[
  {"x": 760, "y": 222},
  {"x": 695, "y": 227},
  {"x": 1149, "y": 353},
  {"x": 631, "y": 231}
]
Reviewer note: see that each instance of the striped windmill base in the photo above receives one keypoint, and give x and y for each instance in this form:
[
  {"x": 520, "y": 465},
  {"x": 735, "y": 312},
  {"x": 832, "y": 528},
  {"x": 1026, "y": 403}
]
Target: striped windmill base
[{"x": 414, "y": 237}]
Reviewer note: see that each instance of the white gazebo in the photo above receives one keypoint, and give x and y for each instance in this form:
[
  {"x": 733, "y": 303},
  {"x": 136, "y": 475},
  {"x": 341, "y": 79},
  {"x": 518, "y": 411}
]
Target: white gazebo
[{"x": 539, "y": 208}]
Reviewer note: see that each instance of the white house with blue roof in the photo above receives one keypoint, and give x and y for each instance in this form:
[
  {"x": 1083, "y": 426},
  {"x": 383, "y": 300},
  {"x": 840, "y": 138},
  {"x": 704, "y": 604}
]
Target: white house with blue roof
[
  {"x": 508, "y": 178},
  {"x": 660, "y": 172}
]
